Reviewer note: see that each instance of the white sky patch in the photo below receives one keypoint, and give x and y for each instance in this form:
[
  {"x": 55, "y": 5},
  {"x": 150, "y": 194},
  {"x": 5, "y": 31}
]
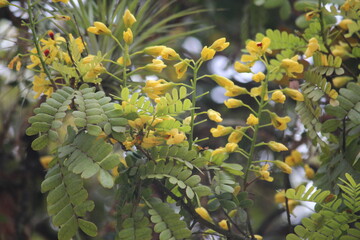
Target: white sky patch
[
  {"x": 151, "y": 77},
  {"x": 243, "y": 77},
  {"x": 220, "y": 65},
  {"x": 137, "y": 78},
  {"x": 217, "y": 94},
  {"x": 192, "y": 45}
]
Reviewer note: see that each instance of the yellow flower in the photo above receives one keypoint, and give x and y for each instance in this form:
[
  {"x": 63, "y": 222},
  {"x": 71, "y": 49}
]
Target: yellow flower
[
  {"x": 128, "y": 19},
  {"x": 203, "y": 213},
  {"x": 174, "y": 137},
  {"x": 258, "y": 48},
  {"x": 258, "y": 77},
  {"x": 169, "y": 54},
  {"x": 340, "y": 50},
  {"x": 99, "y": 28},
  {"x": 279, "y": 122},
  {"x": 257, "y": 91},
  {"x": 222, "y": 81},
  {"x": 277, "y": 147},
  {"x": 310, "y": 15},
  {"x": 309, "y": 172},
  {"x": 237, "y": 190},
  {"x": 45, "y": 160},
  {"x": 220, "y": 131},
  {"x": 63, "y": 1},
  {"x": 224, "y": 225},
  {"x": 233, "y": 103},
  {"x": 78, "y": 41},
  {"x": 3, "y": 3},
  {"x": 231, "y": 147},
  {"x": 121, "y": 61},
  {"x": 294, "y": 94},
  {"x": 236, "y": 135},
  {"x": 264, "y": 174},
  {"x": 235, "y": 91},
  {"x": 62, "y": 17},
  {"x": 294, "y": 159},
  {"x": 341, "y": 81},
  {"x": 252, "y": 120},
  {"x": 154, "y": 88},
  {"x": 218, "y": 151},
  {"x": 219, "y": 45},
  {"x": 344, "y": 24},
  {"x": 128, "y": 36},
  {"x": 258, "y": 237},
  {"x": 128, "y": 144},
  {"x": 41, "y": 85},
  {"x": 154, "y": 50},
  {"x": 346, "y": 6},
  {"x": 292, "y": 66},
  {"x": 278, "y": 96},
  {"x": 150, "y": 140},
  {"x": 187, "y": 120},
  {"x": 214, "y": 115},
  {"x": 280, "y": 197},
  {"x": 249, "y": 59},
  {"x": 207, "y": 53},
  {"x": 241, "y": 68},
  {"x": 156, "y": 66},
  {"x": 139, "y": 122},
  {"x": 312, "y": 47},
  {"x": 283, "y": 166},
  {"x": 181, "y": 68},
  {"x": 333, "y": 94},
  {"x": 16, "y": 60}
]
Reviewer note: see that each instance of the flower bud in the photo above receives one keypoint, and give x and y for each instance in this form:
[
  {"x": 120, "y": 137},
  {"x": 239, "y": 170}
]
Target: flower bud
[
  {"x": 241, "y": 68},
  {"x": 128, "y": 19},
  {"x": 252, "y": 120},
  {"x": 277, "y": 147},
  {"x": 283, "y": 166},
  {"x": 203, "y": 214},
  {"x": 207, "y": 54},
  {"x": 258, "y": 77},
  {"x": 128, "y": 36},
  {"x": 233, "y": 103},
  {"x": 220, "y": 44},
  {"x": 224, "y": 225}
]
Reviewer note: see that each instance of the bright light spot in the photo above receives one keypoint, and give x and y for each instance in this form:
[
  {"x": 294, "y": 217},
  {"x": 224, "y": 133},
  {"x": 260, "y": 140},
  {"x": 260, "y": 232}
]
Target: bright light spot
[
  {"x": 137, "y": 78},
  {"x": 217, "y": 94},
  {"x": 243, "y": 77},
  {"x": 152, "y": 77},
  {"x": 258, "y": 67},
  {"x": 220, "y": 66},
  {"x": 310, "y": 60},
  {"x": 192, "y": 45}
]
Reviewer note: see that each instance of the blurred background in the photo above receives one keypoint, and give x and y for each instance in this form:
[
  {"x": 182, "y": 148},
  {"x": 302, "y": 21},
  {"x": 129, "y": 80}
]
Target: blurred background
[{"x": 22, "y": 206}]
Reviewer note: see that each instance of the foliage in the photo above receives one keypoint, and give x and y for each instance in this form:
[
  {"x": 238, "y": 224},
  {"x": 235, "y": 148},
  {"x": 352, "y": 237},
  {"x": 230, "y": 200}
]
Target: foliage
[{"x": 335, "y": 217}]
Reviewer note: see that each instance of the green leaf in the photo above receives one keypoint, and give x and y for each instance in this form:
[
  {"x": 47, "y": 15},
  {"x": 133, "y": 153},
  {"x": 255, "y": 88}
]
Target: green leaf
[
  {"x": 105, "y": 179},
  {"x": 68, "y": 230},
  {"x": 40, "y": 142},
  {"x": 88, "y": 227},
  {"x": 233, "y": 168},
  {"x": 330, "y": 125}
]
